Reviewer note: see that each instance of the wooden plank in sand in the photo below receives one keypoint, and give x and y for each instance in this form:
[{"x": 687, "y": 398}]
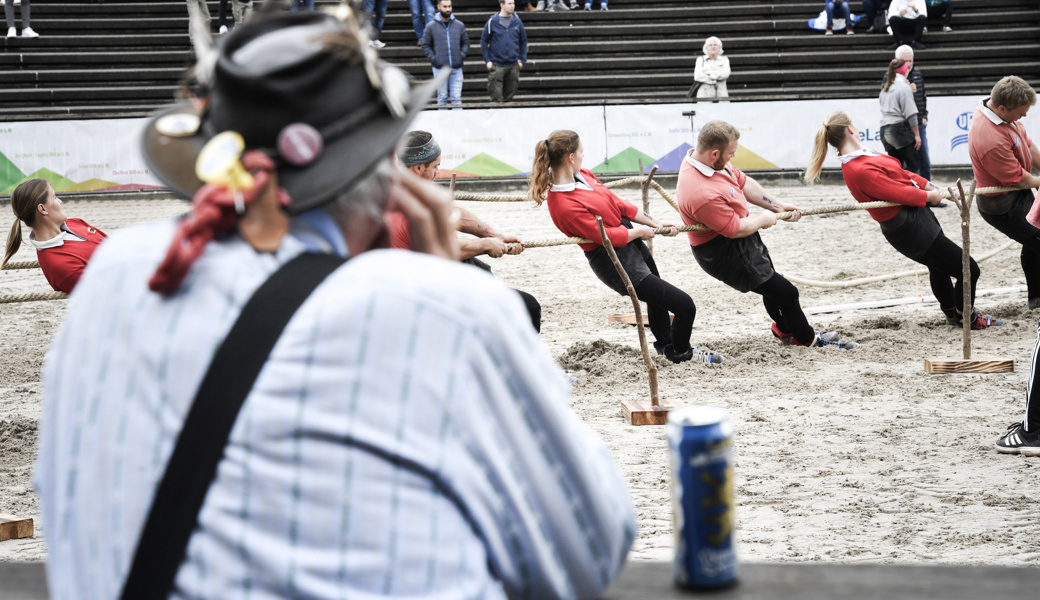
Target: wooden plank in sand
[
  {"x": 13, "y": 528},
  {"x": 642, "y": 412},
  {"x": 969, "y": 365}
]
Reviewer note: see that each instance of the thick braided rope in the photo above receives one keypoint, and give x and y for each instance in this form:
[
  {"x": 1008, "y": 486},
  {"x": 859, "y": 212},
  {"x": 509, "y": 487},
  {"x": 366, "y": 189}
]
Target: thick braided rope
[
  {"x": 33, "y": 297},
  {"x": 876, "y": 278},
  {"x": 25, "y": 264}
]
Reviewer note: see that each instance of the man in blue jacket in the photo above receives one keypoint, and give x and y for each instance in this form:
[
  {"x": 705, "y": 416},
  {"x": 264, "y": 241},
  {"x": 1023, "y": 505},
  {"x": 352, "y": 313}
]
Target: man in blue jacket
[
  {"x": 503, "y": 43},
  {"x": 446, "y": 44}
]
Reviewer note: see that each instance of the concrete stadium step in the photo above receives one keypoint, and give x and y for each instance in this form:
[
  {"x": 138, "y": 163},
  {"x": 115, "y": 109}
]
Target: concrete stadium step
[{"x": 124, "y": 57}]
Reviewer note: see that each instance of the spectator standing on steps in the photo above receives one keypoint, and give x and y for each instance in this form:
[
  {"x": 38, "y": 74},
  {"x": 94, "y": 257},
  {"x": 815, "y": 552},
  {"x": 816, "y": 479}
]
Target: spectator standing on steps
[
  {"x": 423, "y": 11},
  {"x": 907, "y": 16},
  {"x": 27, "y": 32},
  {"x": 712, "y": 70},
  {"x": 446, "y": 44},
  {"x": 906, "y": 53},
  {"x": 240, "y": 10},
  {"x": 377, "y": 11},
  {"x": 503, "y": 44},
  {"x": 199, "y": 21}
]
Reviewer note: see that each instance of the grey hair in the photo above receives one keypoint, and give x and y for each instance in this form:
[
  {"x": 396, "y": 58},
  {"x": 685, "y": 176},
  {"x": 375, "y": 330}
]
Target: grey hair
[
  {"x": 704, "y": 49},
  {"x": 904, "y": 50},
  {"x": 367, "y": 197}
]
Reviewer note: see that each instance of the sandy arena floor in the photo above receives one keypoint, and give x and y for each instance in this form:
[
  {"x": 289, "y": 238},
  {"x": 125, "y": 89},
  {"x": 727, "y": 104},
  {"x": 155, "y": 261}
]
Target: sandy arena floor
[{"x": 842, "y": 456}]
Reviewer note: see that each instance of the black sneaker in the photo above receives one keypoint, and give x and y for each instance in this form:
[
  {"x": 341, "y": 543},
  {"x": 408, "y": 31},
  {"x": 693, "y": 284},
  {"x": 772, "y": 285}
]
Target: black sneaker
[{"x": 1019, "y": 441}]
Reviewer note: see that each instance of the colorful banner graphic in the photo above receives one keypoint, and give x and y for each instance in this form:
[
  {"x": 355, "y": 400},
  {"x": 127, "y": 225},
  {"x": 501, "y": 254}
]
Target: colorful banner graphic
[{"x": 104, "y": 154}]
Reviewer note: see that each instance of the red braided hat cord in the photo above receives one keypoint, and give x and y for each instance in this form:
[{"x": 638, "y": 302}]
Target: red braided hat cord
[{"x": 213, "y": 211}]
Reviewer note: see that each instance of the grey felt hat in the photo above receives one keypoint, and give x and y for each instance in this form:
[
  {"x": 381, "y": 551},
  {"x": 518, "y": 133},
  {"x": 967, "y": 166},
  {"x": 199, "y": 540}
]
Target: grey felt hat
[{"x": 305, "y": 89}]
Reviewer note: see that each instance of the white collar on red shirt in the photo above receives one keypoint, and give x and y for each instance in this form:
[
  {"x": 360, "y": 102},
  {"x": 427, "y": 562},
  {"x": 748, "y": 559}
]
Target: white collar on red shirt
[
  {"x": 992, "y": 116},
  {"x": 703, "y": 168},
  {"x": 858, "y": 153},
  {"x": 579, "y": 184},
  {"x": 57, "y": 240}
]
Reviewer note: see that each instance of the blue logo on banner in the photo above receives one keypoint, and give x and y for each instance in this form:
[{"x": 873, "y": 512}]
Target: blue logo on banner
[{"x": 963, "y": 123}]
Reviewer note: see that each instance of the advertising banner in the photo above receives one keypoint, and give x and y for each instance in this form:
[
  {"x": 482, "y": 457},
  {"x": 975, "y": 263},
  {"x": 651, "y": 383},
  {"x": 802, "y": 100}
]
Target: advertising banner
[{"x": 104, "y": 154}]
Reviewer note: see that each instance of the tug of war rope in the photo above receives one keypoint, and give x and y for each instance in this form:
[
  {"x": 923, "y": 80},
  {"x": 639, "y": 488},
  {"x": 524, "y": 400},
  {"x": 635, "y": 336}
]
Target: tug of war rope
[{"x": 646, "y": 182}]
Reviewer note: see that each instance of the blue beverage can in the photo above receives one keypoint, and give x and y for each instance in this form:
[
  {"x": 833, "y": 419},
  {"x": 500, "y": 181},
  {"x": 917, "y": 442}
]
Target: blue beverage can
[{"x": 700, "y": 440}]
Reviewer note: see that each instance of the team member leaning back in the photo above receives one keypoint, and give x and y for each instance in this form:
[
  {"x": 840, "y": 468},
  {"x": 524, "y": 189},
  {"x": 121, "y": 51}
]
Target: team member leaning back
[
  {"x": 576, "y": 197},
  {"x": 63, "y": 246},
  {"x": 912, "y": 229},
  {"x": 714, "y": 193}
]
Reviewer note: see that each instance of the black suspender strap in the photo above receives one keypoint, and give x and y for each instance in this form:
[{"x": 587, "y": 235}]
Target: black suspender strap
[{"x": 200, "y": 445}]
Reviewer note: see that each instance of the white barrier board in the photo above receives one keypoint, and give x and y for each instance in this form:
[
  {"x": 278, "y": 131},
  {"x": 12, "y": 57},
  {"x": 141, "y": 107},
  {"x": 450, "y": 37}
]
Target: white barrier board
[{"x": 104, "y": 154}]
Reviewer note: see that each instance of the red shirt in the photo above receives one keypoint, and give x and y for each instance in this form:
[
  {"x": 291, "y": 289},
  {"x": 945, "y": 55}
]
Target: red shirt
[
  {"x": 881, "y": 178},
  {"x": 400, "y": 235},
  {"x": 717, "y": 201},
  {"x": 63, "y": 265},
  {"x": 574, "y": 213},
  {"x": 999, "y": 151}
]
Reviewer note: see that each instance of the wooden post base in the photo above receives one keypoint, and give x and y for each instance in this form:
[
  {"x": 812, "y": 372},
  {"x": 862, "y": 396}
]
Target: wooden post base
[
  {"x": 13, "y": 528},
  {"x": 641, "y": 412},
  {"x": 969, "y": 365}
]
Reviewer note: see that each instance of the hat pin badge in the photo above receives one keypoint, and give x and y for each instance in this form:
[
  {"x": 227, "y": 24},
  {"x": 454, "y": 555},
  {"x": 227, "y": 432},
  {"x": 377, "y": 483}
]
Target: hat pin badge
[{"x": 220, "y": 164}]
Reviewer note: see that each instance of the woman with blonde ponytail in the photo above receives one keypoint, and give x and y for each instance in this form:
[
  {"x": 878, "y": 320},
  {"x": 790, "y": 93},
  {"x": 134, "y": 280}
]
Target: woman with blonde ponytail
[
  {"x": 911, "y": 229},
  {"x": 63, "y": 246},
  {"x": 575, "y": 198}
]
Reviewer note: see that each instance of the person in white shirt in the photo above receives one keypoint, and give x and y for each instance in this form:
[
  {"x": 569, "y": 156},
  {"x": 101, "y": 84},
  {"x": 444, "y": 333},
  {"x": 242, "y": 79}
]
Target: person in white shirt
[
  {"x": 712, "y": 71},
  {"x": 907, "y": 16},
  {"x": 407, "y": 435}
]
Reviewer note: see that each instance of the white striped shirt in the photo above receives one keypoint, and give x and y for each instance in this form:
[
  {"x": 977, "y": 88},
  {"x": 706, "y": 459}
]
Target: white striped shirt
[{"x": 424, "y": 358}]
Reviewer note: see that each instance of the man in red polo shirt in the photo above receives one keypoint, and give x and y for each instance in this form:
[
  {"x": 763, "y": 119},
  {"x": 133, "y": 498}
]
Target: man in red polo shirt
[
  {"x": 713, "y": 192},
  {"x": 1002, "y": 155}
]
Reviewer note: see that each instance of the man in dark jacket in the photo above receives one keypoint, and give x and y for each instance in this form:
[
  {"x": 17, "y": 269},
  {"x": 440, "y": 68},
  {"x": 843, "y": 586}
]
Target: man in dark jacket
[
  {"x": 446, "y": 45},
  {"x": 503, "y": 43}
]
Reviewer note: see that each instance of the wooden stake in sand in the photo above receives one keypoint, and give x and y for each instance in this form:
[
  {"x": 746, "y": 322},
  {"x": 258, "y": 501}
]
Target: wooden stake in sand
[
  {"x": 13, "y": 528},
  {"x": 967, "y": 364},
  {"x": 639, "y": 412},
  {"x": 630, "y": 319}
]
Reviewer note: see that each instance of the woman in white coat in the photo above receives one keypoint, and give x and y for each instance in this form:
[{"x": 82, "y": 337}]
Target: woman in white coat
[{"x": 712, "y": 70}]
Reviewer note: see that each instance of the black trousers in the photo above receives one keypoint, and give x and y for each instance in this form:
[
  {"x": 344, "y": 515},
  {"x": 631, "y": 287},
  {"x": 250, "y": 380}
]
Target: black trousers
[
  {"x": 944, "y": 260},
  {"x": 780, "y": 298},
  {"x": 1013, "y": 224},
  {"x": 902, "y": 25},
  {"x": 945, "y": 9},
  {"x": 661, "y": 299},
  {"x": 908, "y": 155},
  {"x": 1032, "y": 418}
]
